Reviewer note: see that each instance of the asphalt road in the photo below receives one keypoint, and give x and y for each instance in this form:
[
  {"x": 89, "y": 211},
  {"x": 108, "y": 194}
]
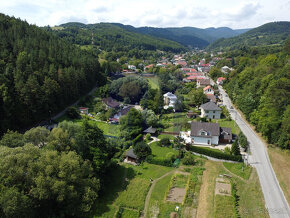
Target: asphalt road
[{"x": 275, "y": 200}]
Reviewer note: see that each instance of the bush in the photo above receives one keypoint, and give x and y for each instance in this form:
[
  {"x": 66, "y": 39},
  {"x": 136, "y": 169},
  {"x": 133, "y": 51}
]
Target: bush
[
  {"x": 243, "y": 142},
  {"x": 215, "y": 154},
  {"x": 148, "y": 137},
  {"x": 188, "y": 159},
  {"x": 164, "y": 142},
  {"x": 159, "y": 161},
  {"x": 72, "y": 113}
]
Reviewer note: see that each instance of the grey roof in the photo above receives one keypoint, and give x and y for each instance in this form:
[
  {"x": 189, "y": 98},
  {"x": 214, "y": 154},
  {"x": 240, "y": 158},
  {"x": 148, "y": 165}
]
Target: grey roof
[
  {"x": 150, "y": 130},
  {"x": 111, "y": 102},
  {"x": 226, "y": 133},
  {"x": 204, "y": 82},
  {"x": 131, "y": 154},
  {"x": 125, "y": 110},
  {"x": 213, "y": 129},
  {"x": 210, "y": 106}
]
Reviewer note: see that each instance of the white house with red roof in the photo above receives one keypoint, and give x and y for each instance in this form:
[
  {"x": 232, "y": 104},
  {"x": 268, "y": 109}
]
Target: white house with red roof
[
  {"x": 220, "y": 80},
  {"x": 208, "y": 90}
]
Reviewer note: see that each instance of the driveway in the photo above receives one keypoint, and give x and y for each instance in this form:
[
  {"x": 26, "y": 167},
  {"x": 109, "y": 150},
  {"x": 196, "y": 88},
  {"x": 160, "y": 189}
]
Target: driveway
[{"x": 275, "y": 200}]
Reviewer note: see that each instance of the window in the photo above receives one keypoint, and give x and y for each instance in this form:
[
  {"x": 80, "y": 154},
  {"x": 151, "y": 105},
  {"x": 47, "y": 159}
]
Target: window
[
  {"x": 212, "y": 116},
  {"x": 206, "y": 111},
  {"x": 213, "y": 111},
  {"x": 208, "y": 142}
]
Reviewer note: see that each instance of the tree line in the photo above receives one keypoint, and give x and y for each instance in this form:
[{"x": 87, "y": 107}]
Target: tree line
[
  {"x": 39, "y": 73},
  {"x": 259, "y": 86}
]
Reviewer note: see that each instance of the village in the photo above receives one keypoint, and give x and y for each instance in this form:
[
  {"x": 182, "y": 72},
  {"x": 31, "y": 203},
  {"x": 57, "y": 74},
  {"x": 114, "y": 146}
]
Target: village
[{"x": 189, "y": 131}]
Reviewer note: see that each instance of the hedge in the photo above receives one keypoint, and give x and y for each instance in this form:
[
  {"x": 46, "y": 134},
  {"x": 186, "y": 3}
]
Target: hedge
[
  {"x": 160, "y": 161},
  {"x": 215, "y": 154}
]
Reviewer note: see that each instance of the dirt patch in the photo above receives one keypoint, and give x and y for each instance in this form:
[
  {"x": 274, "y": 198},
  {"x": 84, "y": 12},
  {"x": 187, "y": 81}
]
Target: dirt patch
[
  {"x": 176, "y": 195},
  {"x": 189, "y": 212},
  {"x": 173, "y": 215},
  {"x": 222, "y": 187}
]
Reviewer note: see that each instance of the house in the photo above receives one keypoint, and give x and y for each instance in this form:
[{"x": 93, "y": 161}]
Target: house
[
  {"x": 111, "y": 103},
  {"x": 208, "y": 90},
  {"x": 84, "y": 110},
  {"x": 226, "y": 135},
  {"x": 150, "y": 130},
  {"x": 169, "y": 99},
  {"x": 148, "y": 66},
  {"x": 123, "y": 112},
  {"x": 130, "y": 157},
  {"x": 211, "y": 97},
  {"x": 202, "y": 83},
  {"x": 191, "y": 114},
  {"x": 220, "y": 80},
  {"x": 226, "y": 69},
  {"x": 131, "y": 67},
  {"x": 205, "y": 133},
  {"x": 210, "y": 110}
]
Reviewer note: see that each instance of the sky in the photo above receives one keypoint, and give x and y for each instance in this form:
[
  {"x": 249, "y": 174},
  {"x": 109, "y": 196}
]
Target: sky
[{"x": 236, "y": 14}]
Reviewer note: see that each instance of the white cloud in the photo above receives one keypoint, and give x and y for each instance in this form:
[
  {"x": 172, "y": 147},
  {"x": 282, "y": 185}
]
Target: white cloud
[{"x": 161, "y": 13}]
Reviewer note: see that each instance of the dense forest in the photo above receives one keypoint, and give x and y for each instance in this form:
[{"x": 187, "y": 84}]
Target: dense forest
[
  {"x": 39, "y": 73},
  {"x": 265, "y": 35},
  {"x": 110, "y": 37},
  {"x": 260, "y": 87}
]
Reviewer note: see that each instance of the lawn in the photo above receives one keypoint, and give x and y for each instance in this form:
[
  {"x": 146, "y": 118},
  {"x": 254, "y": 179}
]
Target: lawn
[
  {"x": 161, "y": 152},
  {"x": 175, "y": 122},
  {"x": 224, "y": 206},
  {"x": 153, "y": 82},
  {"x": 251, "y": 203},
  {"x": 231, "y": 124},
  {"x": 129, "y": 214},
  {"x": 171, "y": 137},
  {"x": 237, "y": 168},
  {"x": 109, "y": 129},
  {"x": 157, "y": 204},
  {"x": 180, "y": 181},
  {"x": 126, "y": 186}
]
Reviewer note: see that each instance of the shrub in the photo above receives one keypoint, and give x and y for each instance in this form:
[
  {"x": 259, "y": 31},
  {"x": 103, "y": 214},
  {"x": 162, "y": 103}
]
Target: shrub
[
  {"x": 164, "y": 142},
  {"x": 72, "y": 113},
  {"x": 215, "y": 154},
  {"x": 188, "y": 159}
]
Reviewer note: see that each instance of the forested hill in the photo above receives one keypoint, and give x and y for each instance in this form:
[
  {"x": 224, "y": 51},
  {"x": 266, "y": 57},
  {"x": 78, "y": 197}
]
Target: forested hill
[
  {"x": 39, "y": 73},
  {"x": 268, "y": 34},
  {"x": 187, "y": 36},
  {"x": 110, "y": 37},
  {"x": 260, "y": 87}
]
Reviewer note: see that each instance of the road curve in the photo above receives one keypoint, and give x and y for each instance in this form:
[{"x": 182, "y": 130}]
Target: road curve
[{"x": 275, "y": 200}]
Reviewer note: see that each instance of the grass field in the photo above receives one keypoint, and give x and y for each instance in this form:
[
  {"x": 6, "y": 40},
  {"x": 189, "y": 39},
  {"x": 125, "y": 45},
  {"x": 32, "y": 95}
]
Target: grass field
[
  {"x": 251, "y": 203},
  {"x": 281, "y": 165},
  {"x": 161, "y": 152},
  {"x": 129, "y": 214},
  {"x": 180, "y": 181},
  {"x": 224, "y": 206},
  {"x": 157, "y": 204},
  {"x": 127, "y": 187},
  {"x": 237, "y": 169},
  {"x": 231, "y": 124},
  {"x": 171, "y": 137},
  {"x": 153, "y": 82},
  {"x": 109, "y": 129},
  {"x": 175, "y": 122}
]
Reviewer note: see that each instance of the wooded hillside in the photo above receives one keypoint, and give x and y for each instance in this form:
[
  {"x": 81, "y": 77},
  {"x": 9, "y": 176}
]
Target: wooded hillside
[{"x": 39, "y": 73}]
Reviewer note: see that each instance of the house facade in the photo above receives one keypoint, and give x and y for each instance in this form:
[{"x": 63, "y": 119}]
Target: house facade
[
  {"x": 208, "y": 90},
  {"x": 169, "y": 99},
  {"x": 205, "y": 133},
  {"x": 210, "y": 110}
]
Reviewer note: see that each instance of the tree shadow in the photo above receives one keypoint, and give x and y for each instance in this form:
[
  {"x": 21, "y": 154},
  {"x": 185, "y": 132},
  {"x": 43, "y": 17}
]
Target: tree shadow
[{"x": 116, "y": 180}]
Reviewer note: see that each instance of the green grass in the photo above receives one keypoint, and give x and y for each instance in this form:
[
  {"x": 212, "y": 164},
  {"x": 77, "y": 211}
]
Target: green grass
[
  {"x": 153, "y": 82},
  {"x": 135, "y": 194},
  {"x": 231, "y": 124},
  {"x": 171, "y": 137},
  {"x": 161, "y": 152},
  {"x": 148, "y": 171},
  {"x": 237, "y": 168},
  {"x": 129, "y": 214},
  {"x": 175, "y": 122},
  {"x": 180, "y": 181},
  {"x": 157, "y": 202},
  {"x": 224, "y": 206},
  {"x": 109, "y": 129}
]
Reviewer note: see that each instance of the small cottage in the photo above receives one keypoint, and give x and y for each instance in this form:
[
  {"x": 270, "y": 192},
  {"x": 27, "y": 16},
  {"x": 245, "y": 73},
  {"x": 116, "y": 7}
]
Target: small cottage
[{"x": 130, "y": 157}]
